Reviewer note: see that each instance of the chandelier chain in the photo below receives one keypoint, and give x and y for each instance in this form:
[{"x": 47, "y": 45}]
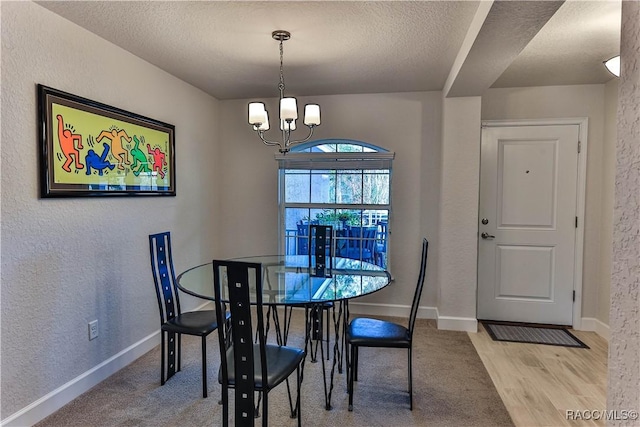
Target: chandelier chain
[{"x": 281, "y": 85}]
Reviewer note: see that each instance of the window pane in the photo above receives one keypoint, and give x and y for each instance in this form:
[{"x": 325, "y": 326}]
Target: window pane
[
  {"x": 349, "y": 187},
  {"x": 297, "y": 188},
  {"x": 376, "y": 188},
  {"x": 326, "y": 217},
  {"x": 349, "y": 148},
  {"x": 295, "y": 242},
  {"x": 323, "y": 187},
  {"x": 294, "y": 216},
  {"x": 325, "y": 148}
]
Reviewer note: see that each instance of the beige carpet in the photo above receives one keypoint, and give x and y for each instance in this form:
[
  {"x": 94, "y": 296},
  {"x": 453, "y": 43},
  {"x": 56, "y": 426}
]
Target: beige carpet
[{"x": 451, "y": 388}]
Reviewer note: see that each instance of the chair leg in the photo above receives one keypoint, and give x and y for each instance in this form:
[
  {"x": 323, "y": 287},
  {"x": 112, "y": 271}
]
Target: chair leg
[
  {"x": 204, "y": 366},
  {"x": 328, "y": 331},
  {"x": 225, "y": 405},
  {"x": 265, "y": 408},
  {"x": 298, "y": 400},
  {"x": 351, "y": 375},
  {"x": 355, "y": 363},
  {"x": 348, "y": 366},
  {"x": 410, "y": 383},
  {"x": 162, "y": 362}
]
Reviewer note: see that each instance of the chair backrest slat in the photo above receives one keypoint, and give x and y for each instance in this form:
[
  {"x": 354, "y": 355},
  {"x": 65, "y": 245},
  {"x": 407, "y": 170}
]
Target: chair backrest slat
[
  {"x": 419, "y": 286},
  {"x": 164, "y": 275},
  {"x": 238, "y": 276}
]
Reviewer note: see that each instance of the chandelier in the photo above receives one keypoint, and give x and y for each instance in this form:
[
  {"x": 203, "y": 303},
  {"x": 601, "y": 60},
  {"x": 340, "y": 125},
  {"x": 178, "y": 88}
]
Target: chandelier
[{"x": 259, "y": 116}]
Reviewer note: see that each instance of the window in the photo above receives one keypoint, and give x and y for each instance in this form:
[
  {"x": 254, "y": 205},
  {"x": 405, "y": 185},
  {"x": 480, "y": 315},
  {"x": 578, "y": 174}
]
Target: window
[{"x": 342, "y": 183}]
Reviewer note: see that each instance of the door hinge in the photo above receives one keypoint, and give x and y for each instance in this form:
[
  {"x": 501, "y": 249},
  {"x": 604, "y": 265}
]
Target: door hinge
[
  {"x": 574, "y": 296},
  {"x": 579, "y": 146},
  {"x": 576, "y": 222}
]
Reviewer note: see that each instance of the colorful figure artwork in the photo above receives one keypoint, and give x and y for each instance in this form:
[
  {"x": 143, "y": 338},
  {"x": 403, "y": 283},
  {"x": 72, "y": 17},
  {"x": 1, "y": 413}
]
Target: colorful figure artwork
[
  {"x": 98, "y": 163},
  {"x": 116, "y": 136},
  {"x": 140, "y": 160},
  {"x": 110, "y": 143},
  {"x": 68, "y": 145},
  {"x": 158, "y": 160}
]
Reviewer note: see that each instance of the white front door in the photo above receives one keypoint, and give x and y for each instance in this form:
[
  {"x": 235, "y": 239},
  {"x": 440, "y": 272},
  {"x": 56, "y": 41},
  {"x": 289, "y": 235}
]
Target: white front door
[{"x": 527, "y": 223}]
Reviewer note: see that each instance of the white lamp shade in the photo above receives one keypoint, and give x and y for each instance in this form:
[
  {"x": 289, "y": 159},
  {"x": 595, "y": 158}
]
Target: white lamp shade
[
  {"x": 312, "y": 115},
  {"x": 291, "y": 126},
  {"x": 613, "y": 65},
  {"x": 257, "y": 113},
  {"x": 264, "y": 126},
  {"x": 288, "y": 109}
]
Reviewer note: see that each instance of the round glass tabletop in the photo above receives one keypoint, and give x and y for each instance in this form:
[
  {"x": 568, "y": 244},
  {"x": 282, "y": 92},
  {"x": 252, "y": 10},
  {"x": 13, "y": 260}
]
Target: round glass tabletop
[{"x": 289, "y": 279}]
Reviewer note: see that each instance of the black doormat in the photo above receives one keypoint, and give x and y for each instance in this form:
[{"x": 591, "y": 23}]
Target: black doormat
[{"x": 531, "y": 333}]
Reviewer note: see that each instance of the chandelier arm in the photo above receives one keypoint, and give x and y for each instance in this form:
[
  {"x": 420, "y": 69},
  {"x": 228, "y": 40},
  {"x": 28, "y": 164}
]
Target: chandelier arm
[
  {"x": 303, "y": 140},
  {"x": 266, "y": 141}
]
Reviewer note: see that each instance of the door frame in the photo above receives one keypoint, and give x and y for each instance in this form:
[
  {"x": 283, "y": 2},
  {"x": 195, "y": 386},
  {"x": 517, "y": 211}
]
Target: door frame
[{"x": 583, "y": 130}]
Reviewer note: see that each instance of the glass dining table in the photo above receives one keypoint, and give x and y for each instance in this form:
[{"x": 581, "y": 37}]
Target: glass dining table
[
  {"x": 295, "y": 281},
  {"x": 289, "y": 279}
]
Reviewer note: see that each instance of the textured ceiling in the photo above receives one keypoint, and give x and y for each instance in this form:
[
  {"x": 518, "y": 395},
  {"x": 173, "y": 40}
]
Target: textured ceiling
[
  {"x": 570, "y": 49},
  {"x": 225, "y": 48}
]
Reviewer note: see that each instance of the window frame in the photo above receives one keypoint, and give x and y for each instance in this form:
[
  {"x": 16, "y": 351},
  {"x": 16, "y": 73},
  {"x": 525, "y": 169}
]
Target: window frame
[{"x": 375, "y": 158}]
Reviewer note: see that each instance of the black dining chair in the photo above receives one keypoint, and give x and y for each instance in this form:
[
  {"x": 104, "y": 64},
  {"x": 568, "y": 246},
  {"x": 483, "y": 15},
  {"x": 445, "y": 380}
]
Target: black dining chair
[
  {"x": 321, "y": 240},
  {"x": 366, "y": 332},
  {"x": 245, "y": 366},
  {"x": 174, "y": 323}
]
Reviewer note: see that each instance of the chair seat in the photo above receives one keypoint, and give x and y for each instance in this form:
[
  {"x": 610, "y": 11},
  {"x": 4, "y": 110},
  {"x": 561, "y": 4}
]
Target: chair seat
[
  {"x": 192, "y": 323},
  {"x": 281, "y": 362},
  {"x": 365, "y": 332}
]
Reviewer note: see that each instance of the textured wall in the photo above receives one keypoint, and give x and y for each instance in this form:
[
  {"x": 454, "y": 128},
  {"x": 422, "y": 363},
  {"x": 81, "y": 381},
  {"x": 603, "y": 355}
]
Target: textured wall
[
  {"x": 458, "y": 246},
  {"x": 563, "y": 102},
  {"x": 624, "y": 344},
  {"x": 68, "y": 261},
  {"x": 406, "y": 123}
]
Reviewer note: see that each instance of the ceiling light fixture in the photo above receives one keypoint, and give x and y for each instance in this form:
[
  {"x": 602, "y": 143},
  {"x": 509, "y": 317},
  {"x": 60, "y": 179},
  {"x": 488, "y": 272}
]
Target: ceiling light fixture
[
  {"x": 613, "y": 65},
  {"x": 259, "y": 117}
]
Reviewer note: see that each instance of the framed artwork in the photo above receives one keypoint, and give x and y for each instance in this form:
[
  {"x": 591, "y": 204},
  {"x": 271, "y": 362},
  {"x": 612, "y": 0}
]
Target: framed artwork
[{"x": 92, "y": 149}]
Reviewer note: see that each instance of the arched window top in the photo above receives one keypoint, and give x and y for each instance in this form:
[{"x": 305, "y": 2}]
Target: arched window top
[{"x": 335, "y": 145}]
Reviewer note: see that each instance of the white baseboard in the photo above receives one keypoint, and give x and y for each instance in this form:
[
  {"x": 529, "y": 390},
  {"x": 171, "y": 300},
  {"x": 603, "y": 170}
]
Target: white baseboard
[
  {"x": 595, "y": 325},
  {"x": 392, "y": 310},
  {"x": 464, "y": 324},
  {"x": 50, "y": 403}
]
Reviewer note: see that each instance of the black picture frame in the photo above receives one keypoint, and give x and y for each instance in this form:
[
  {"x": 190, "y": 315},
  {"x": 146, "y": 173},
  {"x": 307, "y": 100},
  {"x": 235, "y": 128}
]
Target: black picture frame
[{"x": 92, "y": 149}]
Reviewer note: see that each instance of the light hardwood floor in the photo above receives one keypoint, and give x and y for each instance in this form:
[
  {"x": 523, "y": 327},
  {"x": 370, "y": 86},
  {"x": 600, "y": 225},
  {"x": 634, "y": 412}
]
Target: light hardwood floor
[{"x": 540, "y": 383}]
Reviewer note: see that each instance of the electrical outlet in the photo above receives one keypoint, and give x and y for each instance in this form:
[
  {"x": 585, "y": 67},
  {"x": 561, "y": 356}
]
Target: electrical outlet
[{"x": 93, "y": 330}]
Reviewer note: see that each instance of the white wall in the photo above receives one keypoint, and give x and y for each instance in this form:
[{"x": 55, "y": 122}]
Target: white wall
[
  {"x": 407, "y": 123},
  {"x": 564, "y": 102},
  {"x": 68, "y": 261},
  {"x": 608, "y": 193},
  {"x": 458, "y": 204}
]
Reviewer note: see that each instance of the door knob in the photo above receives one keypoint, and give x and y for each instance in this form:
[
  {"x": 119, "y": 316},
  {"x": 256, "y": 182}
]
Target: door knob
[{"x": 486, "y": 235}]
